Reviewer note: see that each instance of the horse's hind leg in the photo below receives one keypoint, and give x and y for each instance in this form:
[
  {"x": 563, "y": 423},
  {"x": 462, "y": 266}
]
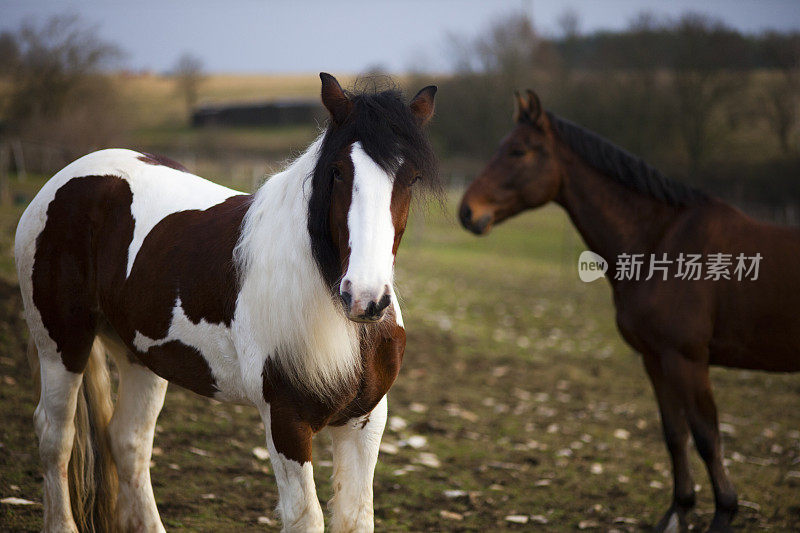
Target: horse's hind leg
[
  {"x": 139, "y": 402},
  {"x": 676, "y": 436},
  {"x": 690, "y": 377},
  {"x": 54, "y": 420}
]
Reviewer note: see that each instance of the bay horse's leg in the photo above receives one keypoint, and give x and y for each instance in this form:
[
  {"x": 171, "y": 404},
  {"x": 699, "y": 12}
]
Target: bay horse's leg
[
  {"x": 676, "y": 436},
  {"x": 690, "y": 376},
  {"x": 54, "y": 420},
  {"x": 140, "y": 398},
  {"x": 289, "y": 445},
  {"x": 355, "y": 453}
]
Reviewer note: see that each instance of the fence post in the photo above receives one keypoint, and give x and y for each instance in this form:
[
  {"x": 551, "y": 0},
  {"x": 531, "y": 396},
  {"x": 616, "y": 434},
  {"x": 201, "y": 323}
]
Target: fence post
[
  {"x": 19, "y": 159},
  {"x": 5, "y": 188}
]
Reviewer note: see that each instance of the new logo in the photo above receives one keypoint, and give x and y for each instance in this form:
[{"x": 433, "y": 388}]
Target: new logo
[{"x": 591, "y": 266}]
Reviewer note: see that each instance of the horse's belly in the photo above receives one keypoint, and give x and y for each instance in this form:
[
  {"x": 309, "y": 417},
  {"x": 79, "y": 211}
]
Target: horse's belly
[
  {"x": 198, "y": 356},
  {"x": 771, "y": 351}
]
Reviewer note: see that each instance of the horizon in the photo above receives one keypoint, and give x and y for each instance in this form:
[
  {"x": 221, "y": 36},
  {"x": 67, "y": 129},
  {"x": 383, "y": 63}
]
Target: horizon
[{"x": 250, "y": 37}]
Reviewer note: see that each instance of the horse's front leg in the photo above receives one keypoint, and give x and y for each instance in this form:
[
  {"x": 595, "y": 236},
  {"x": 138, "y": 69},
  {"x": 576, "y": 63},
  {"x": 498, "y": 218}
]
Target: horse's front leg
[
  {"x": 355, "y": 453},
  {"x": 289, "y": 444}
]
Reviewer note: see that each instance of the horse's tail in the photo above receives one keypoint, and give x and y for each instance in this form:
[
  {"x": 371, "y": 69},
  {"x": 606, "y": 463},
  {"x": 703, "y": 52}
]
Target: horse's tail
[{"x": 92, "y": 474}]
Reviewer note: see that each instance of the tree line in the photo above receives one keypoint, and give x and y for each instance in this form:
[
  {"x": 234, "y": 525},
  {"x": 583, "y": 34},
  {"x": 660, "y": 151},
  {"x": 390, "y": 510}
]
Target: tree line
[
  {"x": 699, "y": 99},
  {"x": 694, "y": 96}
]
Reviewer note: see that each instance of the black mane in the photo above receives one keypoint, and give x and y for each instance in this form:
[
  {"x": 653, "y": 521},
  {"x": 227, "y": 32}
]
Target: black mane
[
  {"x": 624, "y": 167},
  {"x": 382, "y": 121}
]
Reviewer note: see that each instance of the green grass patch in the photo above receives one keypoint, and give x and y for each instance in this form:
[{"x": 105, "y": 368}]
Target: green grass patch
[{"x": 516, "y": 377}]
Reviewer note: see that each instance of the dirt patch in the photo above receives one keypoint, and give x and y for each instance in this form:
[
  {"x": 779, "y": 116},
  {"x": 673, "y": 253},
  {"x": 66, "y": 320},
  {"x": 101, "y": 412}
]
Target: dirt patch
[{"x": 517, "y": 407}]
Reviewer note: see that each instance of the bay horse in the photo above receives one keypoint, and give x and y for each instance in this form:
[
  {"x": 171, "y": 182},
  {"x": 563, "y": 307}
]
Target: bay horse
[
  {"x": 283, "y": 299},
  {"x": 620, "y": 205}
]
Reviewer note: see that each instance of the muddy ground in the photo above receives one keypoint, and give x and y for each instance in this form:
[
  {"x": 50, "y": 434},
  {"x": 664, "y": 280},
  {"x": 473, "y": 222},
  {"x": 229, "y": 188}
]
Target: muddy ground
[{"x": 517, "y": 403}]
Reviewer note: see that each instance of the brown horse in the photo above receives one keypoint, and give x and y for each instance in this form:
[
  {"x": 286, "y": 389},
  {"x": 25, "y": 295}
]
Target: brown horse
[{"x": 628, "y": 213}]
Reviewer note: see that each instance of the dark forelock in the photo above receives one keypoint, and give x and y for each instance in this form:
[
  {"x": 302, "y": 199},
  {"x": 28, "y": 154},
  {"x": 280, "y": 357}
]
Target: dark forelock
[{"x": 382, "y": 122}]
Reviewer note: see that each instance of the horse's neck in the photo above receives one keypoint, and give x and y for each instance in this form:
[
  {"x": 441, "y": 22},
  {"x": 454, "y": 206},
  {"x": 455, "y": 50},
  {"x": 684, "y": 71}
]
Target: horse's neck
[
  {"x": 611, "y": 218},
  {"x": 278, "y": 216},
  {"x": 285, "y": 307}
]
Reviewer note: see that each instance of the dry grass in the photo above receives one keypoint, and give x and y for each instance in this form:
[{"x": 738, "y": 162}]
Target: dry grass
[
  {"x": 152, "y": 100},
  {"x": 515, "y": 375}
]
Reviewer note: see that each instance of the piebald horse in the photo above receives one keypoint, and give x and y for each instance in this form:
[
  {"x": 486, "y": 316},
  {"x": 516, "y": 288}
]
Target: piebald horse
[
  {"x": 283, "y": 299},
  {"x": 620, "y": 205}
]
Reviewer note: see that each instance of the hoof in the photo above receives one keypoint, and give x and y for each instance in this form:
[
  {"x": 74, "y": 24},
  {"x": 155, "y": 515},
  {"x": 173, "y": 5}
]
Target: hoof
[
  {"x": 720, "y": 529},
  {"x": 721, "y": 525},
  {"x": 673, "y": 521},
  {"x": 722, "y": 519}
]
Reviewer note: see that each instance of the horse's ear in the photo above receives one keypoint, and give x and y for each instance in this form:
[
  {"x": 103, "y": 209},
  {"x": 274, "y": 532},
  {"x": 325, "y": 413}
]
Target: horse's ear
[
  {"x": 534, "y": 107},
  {"x": 528, "y": 108},
  {"x": 334, "y": 98},
  {"x": 520, "y": 107},
  {"x": 422, "y": 105}
]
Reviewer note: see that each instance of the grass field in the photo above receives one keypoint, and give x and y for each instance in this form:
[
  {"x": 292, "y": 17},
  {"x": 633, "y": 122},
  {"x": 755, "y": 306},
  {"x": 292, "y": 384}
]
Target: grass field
[{"x": 527, "y": 403}]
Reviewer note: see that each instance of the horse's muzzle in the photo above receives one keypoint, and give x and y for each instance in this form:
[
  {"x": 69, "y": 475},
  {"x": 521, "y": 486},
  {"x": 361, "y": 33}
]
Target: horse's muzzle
[
  {"x": 478, "y": 227},
  {"x": 364, "y": 308}
]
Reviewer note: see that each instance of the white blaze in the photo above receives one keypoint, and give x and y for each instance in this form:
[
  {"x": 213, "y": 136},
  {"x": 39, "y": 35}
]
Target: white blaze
[{"x": 369, "y": 223}]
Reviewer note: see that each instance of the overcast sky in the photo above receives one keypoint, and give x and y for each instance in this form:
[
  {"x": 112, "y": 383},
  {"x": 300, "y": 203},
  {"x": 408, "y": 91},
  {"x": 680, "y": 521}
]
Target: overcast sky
[{"x": 346, "y": 36}]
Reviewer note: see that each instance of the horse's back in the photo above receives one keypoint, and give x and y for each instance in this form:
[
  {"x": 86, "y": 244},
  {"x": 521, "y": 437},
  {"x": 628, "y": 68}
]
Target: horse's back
[
  {"x": 751, "y": 328},
  {"x": 157, "y": 187},
  {"x": 754, "y": 329},
  {"x": 79, "y": 237}
]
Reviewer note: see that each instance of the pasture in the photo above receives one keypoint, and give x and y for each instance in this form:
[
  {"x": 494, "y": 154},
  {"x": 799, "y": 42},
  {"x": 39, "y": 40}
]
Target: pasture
[{"x": 518, "y": 407}]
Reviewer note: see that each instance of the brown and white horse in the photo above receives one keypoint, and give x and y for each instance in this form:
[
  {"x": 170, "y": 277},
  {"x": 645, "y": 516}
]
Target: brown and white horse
[
  {"x": 620, "y": 205},
  {"x": 283, "y": 299}
]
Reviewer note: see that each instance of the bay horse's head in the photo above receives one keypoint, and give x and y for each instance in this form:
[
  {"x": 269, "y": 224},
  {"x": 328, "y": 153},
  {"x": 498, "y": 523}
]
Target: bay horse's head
[
  {"x": 523, "y": 173},
  {"x": 372, "y": 155}
]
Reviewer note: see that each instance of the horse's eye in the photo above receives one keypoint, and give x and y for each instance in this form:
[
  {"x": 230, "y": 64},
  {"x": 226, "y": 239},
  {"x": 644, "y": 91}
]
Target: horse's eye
[
  {"x": 415, "y": 179},
  {"x": 517, "y": 152},
  {"x": 336, "y": 173}
]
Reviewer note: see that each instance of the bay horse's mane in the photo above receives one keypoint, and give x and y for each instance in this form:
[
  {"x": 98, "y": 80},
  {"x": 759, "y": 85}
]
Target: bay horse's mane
[
  {"x": 381, "y": 120},
  {"x": 624, "y": 167}
]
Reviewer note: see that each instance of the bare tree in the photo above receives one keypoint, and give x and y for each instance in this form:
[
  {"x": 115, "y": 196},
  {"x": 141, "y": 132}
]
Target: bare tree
[
  {"x": 569, "y": 22},
  {"x": 59, "y": 96},
  {"x": 672, "y": 90},
  {"x": 188, "y": 74},
  {"x": 9, "y": 54},
  {"x": 508, "y": 55},
  {"x": 780, "y": 93},
  {"x": 708, "y": 68}
]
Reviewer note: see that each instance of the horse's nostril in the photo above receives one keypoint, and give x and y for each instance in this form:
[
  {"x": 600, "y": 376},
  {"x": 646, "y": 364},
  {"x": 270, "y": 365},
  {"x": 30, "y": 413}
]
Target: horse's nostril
[
  {"x": 465, "y": 214},
  {"x": 383, "y": 303},
  {"x": 371, "y": 309},
  {"x": 347, "y": 299}
]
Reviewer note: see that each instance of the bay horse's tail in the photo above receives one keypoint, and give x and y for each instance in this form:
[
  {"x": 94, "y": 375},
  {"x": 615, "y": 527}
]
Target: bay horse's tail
[{"x": 92, "y": 474}]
